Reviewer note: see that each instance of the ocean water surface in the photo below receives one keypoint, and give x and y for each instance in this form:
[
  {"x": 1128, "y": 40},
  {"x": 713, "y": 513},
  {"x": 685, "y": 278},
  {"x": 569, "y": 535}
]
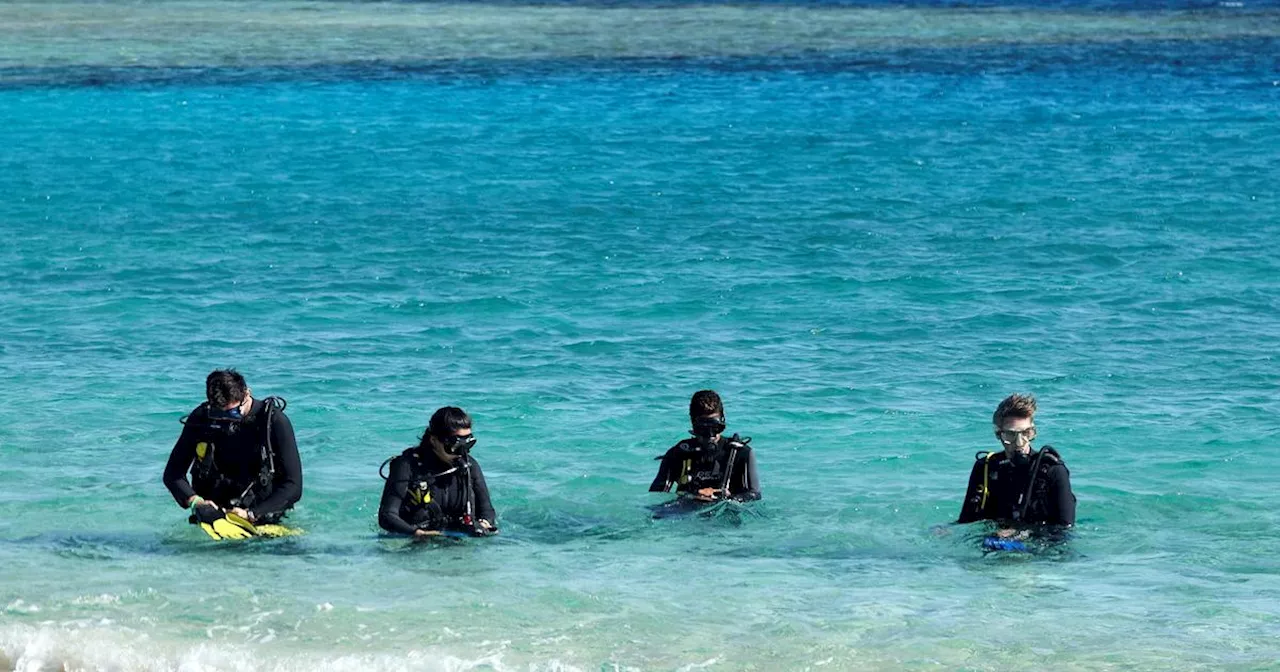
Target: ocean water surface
[{"x": 864, "y": 224}]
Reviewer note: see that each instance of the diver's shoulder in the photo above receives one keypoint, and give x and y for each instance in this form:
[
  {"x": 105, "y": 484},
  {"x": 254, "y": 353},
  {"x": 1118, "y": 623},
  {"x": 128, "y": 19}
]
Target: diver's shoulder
[
  {"x": 740, "y": 443},
  {"x": 682, "y": 446},
  {"x": 1052, "y": 457},
  {"x": 280, "y": 419},
  {"x": 991, "y": 457},
  {"x": 407, "y": 458},
  {"x": 273, "y": 406},
  {"x": 1055, "y": 469}
]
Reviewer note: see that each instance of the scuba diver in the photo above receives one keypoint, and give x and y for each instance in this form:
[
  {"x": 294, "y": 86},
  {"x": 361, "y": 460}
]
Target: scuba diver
[
  {"x": 436, "y": 487},
  {"x": 708, "y": 466},
  {"x": 1019, "y": 486},
  {"x": 242, "y": 457}
]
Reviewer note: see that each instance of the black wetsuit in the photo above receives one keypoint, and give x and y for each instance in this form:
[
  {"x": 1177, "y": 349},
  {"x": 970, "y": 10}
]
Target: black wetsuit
[
  {"x": 691, "y": 468},
  {"x": 233, "y": 477},
  {"x": 424, "y": 493},
  {"x": 1051, "y": 501}
]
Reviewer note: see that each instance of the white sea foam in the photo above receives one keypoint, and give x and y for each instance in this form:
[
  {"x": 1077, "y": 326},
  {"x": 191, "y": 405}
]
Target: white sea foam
[
  {"x": 76, "y": 647},
  {"x": 22, "y": 607},
  {"x": 98, "y": 600}
]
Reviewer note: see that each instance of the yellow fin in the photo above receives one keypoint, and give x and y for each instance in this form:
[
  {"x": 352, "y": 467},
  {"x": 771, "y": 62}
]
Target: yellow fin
[
  {"x": 242, "y": 523},
  {"x": 208, "y": 529},
  {"x": 230, "y": 530},
  {"x": 278, "y": 531}
]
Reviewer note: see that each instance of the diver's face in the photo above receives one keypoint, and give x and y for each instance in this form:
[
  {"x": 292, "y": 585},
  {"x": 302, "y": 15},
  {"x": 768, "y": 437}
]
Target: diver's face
[
  {"x": 454, "y": 446},
  {"x": 1015, "y": 435},
  {"x": 233, "y": 410},
  {"x": 227, "y": 417},
  {"x": 708, "y": 427}
]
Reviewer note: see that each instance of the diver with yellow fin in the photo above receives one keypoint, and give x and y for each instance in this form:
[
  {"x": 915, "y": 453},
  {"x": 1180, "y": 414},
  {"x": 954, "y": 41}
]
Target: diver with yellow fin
[
  {"x": 436, "y": 488},
  {"x": 243, "y": 461},
  {"x": 708, "y": 466}
]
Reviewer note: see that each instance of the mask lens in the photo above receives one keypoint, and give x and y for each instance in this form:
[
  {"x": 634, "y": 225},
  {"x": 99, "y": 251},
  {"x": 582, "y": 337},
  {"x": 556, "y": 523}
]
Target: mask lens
[
  {"x": 232, "y": 414},
  {"x": 1016, "y": 436},
  {"x": 225, "y": 420},
  {"x": 708, "y": 427},
  {"x": 456, "y": 445}
]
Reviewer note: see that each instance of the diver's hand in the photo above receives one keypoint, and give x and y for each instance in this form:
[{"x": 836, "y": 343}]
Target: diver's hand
[
  {"x": 206, "y": 511},
  {"x": 207, "y": 504},
  {"x": 420, "y": 534},
  {"x": 196, "y": 500},
  {"x": 707, "y": 495},
  {"x": 1010, "y": 533},
  {"x": 485, "y": 527},
  {"x": 243, "y": 514}
]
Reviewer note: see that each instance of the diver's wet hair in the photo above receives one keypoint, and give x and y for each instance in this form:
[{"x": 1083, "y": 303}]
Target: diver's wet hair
[
  {"x": 446, "y": 421},
  {"x": 704, "y": 403},
  {"x": 1015, "y": 406},
  {"x": 225, "y": 386}
]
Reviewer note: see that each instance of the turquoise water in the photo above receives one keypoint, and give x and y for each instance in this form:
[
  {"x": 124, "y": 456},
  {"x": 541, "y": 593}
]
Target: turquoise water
[{"x": 863, "y": 225}]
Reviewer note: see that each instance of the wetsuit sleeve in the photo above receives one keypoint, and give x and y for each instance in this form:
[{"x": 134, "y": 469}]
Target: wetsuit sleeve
[
  {"x": 287, "y": 489},
  {"x": 393, "y": 494},
  {"x": 175, "y": 470},
  {"x": 746, "y": 483},
  {"x": 484, "y": 507},
  {"x": 970, "y": 509},
  {"x": 1062, "y": 502},
  {"x": 662, "y": 482}
]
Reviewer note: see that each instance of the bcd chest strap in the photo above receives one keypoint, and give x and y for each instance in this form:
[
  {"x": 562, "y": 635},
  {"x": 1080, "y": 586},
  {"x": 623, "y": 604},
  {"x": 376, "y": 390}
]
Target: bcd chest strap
[
  {"x": 205, "y": 469},
  {"x": 984, "y": 490},
  {"x": 697, "y": 455},
  {"x": 1046, "y": 458},
  {"x": 420, "y": 481}
]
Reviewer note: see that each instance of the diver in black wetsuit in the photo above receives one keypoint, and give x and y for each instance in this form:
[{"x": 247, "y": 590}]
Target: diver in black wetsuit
[
  {"x": 437, "y": 486},
  {"x": 1019, "y": 486},
  {"x": 241, "y": 453},
  {"x": 709, "y": 467}
]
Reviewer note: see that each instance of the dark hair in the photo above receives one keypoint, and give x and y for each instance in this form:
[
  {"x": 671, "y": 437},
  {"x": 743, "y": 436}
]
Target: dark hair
[
  {"x": 225, "y": 386},
  {"x": 1014, "y": 406},
  {"x": 704, "y": 403},
  {"x": 446, "y": 421}
]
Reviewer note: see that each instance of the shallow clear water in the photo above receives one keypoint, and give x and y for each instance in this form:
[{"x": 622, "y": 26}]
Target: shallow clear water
[{"x": 864, "y": 225}]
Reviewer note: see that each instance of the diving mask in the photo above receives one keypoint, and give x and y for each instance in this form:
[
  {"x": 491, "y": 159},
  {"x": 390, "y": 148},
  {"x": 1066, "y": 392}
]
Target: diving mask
[
  {"x": 1014, "y": 437},
  {"x": 230, "y": 415},
  {"x": 706, "y": 428},
  {"x": 225, "y": 420},
  {"x": 457, "y": 445}
]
